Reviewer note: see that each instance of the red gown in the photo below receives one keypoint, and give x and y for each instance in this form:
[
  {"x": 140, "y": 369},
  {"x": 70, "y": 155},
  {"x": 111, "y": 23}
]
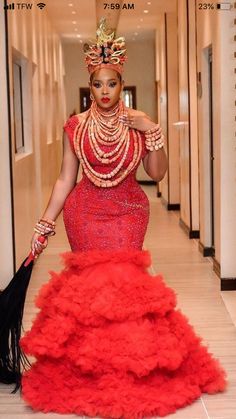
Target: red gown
[{"x": 108, "y": 340}]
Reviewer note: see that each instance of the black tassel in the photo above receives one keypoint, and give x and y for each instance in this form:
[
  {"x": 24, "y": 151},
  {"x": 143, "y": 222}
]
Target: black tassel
[{"x": 12, "y": 300}]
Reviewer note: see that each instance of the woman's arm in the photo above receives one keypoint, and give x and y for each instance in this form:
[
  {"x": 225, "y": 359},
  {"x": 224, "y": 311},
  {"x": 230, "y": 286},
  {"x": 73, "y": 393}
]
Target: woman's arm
[
  {"x": 155, "y": 162},
  {"x": 63, "y": 186},
  {"x": 65, "y": 182}
]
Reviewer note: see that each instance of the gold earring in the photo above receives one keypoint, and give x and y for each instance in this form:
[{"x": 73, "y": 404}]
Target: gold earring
[{"x": 91, "y": 96}]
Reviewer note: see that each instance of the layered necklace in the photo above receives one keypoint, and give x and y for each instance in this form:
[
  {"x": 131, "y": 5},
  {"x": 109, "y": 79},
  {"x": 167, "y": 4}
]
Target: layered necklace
[{"x": 105, "y": 128}]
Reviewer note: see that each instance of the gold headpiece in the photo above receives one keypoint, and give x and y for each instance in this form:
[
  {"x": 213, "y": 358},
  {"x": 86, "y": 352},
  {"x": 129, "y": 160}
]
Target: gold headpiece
[{"x": 107, "y": 52}]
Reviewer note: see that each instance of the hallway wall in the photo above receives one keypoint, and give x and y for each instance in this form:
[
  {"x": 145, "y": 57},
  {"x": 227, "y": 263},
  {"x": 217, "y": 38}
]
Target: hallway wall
[
  {"x": 189, "y": 164},
  {"x": 6, "y": 250},
  {"x": 216, "y": 29},
  {"x": 35, "y": 46},
  {"x": 167, "y": 77}
]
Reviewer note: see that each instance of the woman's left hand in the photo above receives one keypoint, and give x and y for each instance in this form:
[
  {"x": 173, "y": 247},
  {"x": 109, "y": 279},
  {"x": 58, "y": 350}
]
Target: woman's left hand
[{"x": 138, "y": 120}]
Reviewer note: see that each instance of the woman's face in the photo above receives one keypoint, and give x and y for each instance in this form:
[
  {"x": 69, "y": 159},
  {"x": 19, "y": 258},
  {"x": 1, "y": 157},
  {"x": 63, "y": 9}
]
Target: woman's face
[{"x": 106, "y": 87}]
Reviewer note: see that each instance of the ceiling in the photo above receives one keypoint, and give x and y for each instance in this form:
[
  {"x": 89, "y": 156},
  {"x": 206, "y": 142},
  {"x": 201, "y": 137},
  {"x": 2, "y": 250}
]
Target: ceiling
[{"x": 76, "y": 20}]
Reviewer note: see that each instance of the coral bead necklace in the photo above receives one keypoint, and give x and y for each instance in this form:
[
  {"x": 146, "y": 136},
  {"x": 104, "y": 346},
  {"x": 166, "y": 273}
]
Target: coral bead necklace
[{"x": 105, "y": 128}]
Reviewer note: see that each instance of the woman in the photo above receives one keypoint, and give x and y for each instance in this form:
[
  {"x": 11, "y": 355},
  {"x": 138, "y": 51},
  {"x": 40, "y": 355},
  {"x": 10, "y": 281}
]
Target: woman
[{"x": 108, "y": 340}]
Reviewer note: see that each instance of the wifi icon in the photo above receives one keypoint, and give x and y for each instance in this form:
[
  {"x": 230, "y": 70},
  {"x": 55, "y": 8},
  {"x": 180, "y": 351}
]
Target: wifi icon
[{"x": 41, "y": 5}]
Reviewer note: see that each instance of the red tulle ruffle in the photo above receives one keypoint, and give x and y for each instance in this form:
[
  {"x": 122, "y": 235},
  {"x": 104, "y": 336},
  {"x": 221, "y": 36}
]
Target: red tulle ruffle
[{"x": 109, "y": 342}]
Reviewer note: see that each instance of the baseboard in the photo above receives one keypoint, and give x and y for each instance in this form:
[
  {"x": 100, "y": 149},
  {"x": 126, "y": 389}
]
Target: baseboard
[
  {"x": 206, "y": 251},
  {"x": 147, "y": 182},
  {"x": 170, "y": 207},
  {"x": 228, "y": 284},
  {"x": 216, "y": 266},
  {"x": 173, "y": 207},
  {"x": 192, "y": 234}
]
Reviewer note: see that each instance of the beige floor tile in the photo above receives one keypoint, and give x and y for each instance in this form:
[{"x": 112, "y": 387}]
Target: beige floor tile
[
  {"x": 229, "y": 298},
  {"x": 224, "y": 408},
  {"x": 193, "y": 411}
]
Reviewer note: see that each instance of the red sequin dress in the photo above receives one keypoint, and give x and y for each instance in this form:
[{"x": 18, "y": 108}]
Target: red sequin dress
[{"x": 108, "y": 340}]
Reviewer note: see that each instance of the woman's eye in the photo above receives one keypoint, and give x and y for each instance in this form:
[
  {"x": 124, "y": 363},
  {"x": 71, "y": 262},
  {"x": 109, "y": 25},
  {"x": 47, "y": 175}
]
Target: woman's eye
[{"x": 97, "y": 85}]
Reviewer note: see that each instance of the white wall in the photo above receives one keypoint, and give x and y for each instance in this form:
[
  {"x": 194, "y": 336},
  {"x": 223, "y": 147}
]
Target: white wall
[
  {"x": 33, "y": 40},
  {"x": 6, "y": 252},
  {"x": 167, "y": 75},
  {"x": 227, "y": 146}
]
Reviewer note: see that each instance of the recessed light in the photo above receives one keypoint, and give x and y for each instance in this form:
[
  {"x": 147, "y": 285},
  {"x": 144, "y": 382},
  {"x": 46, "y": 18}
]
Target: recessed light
[
  {"x": 76, "y": 29},
  {"x": 78, "y": 35},
  {"x": 74, "y": 22},
  {"x": 73, "y": 13},
  {"x": 133, "y": 39},
  {"x": 145, "y": 11},
  {"x": 70, "y": 4},
  {"x": 138, "y": 26},
  {"x": 81, "y": 41},
  {"x": 141, "y": 20},
  {"x": 149, "y": 3},
  {"x": 135, "y": 33}
]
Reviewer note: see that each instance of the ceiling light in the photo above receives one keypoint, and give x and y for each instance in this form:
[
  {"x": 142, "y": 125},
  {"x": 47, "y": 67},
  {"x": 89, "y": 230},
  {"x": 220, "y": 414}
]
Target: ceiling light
[
  {"x": 133, "y": 39},
  {"x": 145, "y": 11},
  {"x": 141, "y": 20},
  {"x": 81, "y": 41},
  {"x": 73, "y": 13},
  {"x": 74, "y": 22},
  {"x": 138, "y": 26},
  {"x": 76, "y": 29},
  {"x": 70, "y": 4},
  {"x": 78, "y": 35},
  {"x": 149, "y": 3},
  {"x": 135, "y": 33}
]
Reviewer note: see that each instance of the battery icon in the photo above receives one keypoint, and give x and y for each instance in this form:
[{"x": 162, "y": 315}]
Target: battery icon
[{"x": 223, "y": 6}]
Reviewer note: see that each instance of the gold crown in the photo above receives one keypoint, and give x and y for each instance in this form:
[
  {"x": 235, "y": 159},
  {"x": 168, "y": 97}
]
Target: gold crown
[{"x": 106, "y": 50}]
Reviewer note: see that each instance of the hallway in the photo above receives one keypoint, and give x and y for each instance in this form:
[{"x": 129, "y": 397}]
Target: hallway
[{"x": 178, "y": 259}]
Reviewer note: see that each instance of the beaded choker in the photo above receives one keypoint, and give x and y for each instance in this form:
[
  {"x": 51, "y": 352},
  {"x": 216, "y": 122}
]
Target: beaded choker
[{"x": 104, "y": 128}]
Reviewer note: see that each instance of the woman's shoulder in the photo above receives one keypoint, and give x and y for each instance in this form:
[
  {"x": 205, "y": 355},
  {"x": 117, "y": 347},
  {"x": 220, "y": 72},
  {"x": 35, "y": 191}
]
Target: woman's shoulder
[
  {"x": 73, "y": 120},
  {"x": 82, "y": 116}
]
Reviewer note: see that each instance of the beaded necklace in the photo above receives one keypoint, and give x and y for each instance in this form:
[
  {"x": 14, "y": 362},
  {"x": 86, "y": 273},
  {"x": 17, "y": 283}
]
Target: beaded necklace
[{"x": 104, "y": 128}]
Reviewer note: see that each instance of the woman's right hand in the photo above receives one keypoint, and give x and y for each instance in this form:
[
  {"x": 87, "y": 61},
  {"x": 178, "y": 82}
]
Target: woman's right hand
[{"x": 36, "y": 246}]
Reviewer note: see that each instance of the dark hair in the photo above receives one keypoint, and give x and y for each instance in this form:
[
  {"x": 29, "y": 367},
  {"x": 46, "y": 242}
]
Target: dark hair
[{"x": 118, "y": 74}]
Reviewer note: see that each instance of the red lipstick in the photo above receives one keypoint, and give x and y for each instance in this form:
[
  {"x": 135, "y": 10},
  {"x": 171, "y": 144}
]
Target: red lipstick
[{"x": 105, "y": 99}]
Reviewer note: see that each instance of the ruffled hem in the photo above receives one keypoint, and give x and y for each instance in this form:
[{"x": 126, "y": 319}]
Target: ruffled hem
[{"x": 109, "y": 341}]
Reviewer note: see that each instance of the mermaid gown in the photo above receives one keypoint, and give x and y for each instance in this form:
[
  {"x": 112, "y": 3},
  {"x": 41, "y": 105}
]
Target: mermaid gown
[{"x": 108, "y": 340}]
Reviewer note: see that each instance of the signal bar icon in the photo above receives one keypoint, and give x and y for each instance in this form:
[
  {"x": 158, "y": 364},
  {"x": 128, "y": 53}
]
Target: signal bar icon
[{"x": 10, "y": 6}]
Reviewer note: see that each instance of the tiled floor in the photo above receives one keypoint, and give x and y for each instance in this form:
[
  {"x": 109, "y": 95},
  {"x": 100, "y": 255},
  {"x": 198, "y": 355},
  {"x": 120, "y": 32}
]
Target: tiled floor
[{"x": 199, "y": 297}]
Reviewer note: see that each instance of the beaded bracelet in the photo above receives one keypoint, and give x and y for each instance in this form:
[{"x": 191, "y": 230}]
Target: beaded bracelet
[
  {"x": 45, "y": 227},
  {"x": 48, "y": 221},
  {"x": 154, "y": 138},
  {"x": 156, "y": 146}
]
